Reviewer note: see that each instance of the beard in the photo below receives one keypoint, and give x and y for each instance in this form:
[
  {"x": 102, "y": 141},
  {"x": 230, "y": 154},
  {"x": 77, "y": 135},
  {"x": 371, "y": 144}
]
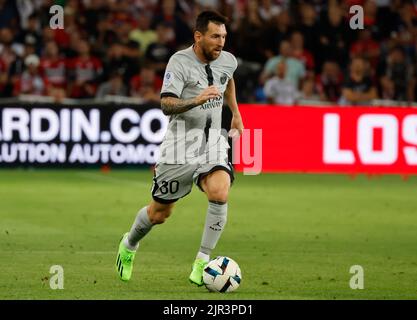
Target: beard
[{"x": 209, "y": 55}]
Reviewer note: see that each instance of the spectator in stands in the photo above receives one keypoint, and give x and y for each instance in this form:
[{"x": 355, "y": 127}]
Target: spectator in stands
[
  {"x": 358, "y": 89},
  {"x": 146, "y": 85},
  {"x": 9, "y": 49},
  {"x": 169, "y": 11},
  {"x": 8, "y": 14},
  {"x": 113, "y": 87},
  {"x": 133, "y": 52},
  {"x": 308, "y": 93},
  {"x": 247, "y": 35},
  {"x": 278, "y": 30},
  {"x": 95, "y": 11},
  {"x": 329, "y": 82},
  {"x": 106, "y": 35},
  {"x": 85, "y": 71},
  {"x": 63, "y": 36},
  {"x": 309, "y": 26},
  {"x": 54, "y": 68},
  {"x": 4, "y": 78},
  {"x": 17, "y": 67},
  {"x": 207, "y": 4},
  {"x": 25, "y": 10},
  {"x": 387, "y": 19},
  {"x": 302, "y": 54},
  {"x": 397, "y": 77},
  {"x": 246, "y": 38},
  {"x": 295, "y": 70},
  {"x": 334, "y": 38},
  {"x": 279, "y": 89},
  {"x": 159, "y": 52},
  {"x": 144, "y": 5},
  {"x": 143, "y": 34},
  {"x": 406, "y": 31},
  {"x": 31, "y": 81},
  {"x": 370, "y": 10},
  {"x": 118, "y": 58},
  {"x": 366, "y": 47},
  {"x": 123, "y": 24},
  {"x": 268, "y": 10},
  {"x": 32, "y": 33},
  {"x": 71, "y": 51},
  {"x": 47, "y": 35},
  {"x": 43, "y": 12}
]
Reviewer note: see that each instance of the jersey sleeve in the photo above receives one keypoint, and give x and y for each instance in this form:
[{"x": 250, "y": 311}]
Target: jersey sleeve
[
  {"x": 231, "y": 64},
  {"x": 235, "y": 64},
  {"x": 174, "y": 78}
]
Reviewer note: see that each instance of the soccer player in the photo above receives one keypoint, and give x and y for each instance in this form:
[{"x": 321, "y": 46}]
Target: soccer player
[{"x": 196, "y": 81}]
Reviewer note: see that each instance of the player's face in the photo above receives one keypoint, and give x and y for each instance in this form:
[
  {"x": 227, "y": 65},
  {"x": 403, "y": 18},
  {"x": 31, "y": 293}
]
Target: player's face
[{"x": 212, "y": 42}]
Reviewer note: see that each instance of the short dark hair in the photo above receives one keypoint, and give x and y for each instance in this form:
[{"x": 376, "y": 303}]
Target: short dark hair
[{"x": 205, "y": 17}]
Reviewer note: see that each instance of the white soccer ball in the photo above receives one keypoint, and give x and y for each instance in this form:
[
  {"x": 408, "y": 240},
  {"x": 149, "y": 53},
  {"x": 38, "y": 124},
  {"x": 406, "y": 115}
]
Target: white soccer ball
[{"x": 222, "y": 275}]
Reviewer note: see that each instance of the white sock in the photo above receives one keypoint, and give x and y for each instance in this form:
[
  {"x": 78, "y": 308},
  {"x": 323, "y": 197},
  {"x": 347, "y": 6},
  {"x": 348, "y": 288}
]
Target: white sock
[
  {"x": 141, "y": 226},
  {"x": 129, "y": 246},
  {"x": 215, "y": 221},
  {"x": 201, "y": 255}
]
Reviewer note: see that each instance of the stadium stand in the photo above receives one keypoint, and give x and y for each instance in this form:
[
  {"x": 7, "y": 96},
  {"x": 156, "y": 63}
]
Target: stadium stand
[{"x": 110, "y": 48}]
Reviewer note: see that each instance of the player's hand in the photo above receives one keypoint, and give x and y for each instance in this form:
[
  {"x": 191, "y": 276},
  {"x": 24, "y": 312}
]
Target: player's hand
[
  {"x": 236, "y": 128},
  {"x": 208, "y": 93}
]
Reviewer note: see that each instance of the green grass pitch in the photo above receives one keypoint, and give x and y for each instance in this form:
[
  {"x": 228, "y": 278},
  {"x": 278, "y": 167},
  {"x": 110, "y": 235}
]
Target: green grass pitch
[{"x": 294, "y": 236}]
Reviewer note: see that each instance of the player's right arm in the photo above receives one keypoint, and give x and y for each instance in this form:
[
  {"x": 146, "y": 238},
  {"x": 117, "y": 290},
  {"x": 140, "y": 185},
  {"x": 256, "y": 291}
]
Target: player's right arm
[
  {"x": 175, "y": 78},
  {"x": 173, "y": 105}
]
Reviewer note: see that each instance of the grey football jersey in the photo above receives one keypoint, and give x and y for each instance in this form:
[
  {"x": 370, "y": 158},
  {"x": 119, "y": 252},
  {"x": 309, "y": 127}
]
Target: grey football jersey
[{"x": 186, "y": 77}]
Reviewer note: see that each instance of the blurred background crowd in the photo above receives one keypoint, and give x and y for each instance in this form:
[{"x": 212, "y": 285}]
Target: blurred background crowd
[{"x": 289, "y": 52}]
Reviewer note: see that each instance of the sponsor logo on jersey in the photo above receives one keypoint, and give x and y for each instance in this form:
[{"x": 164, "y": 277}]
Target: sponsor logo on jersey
[{"x": 213, "y": 103}]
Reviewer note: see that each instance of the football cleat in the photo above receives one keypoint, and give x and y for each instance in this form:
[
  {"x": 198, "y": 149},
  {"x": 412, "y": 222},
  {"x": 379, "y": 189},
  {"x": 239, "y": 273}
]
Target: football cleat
[
  {"x": 124, "y": 261},
  {"x": 196, "y": 275}
]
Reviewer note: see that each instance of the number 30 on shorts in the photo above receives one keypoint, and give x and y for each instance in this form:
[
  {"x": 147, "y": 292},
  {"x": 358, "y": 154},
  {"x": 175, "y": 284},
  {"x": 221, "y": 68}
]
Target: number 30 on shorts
[{"x": 169, "y": 186}]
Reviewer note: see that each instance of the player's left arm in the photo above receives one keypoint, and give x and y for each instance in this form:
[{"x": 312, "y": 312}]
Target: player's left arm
[{"x": 230, "y": 97}]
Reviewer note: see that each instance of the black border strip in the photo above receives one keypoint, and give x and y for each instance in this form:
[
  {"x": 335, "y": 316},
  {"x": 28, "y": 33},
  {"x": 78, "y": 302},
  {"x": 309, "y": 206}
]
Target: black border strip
[
  {"x": 164, "y": 201},
  {"x": 215, "y": 168},
  {"x": 168, "y": 94}
]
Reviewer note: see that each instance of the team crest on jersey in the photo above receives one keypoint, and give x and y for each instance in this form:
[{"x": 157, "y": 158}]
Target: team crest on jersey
[
  {"x": 223, "y": 78},
  {"x": 169, "y": 76}
]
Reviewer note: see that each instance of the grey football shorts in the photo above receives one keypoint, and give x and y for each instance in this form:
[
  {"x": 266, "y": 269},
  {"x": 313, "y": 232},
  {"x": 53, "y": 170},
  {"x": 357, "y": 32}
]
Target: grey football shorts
[{"x": 174, "y": 181}]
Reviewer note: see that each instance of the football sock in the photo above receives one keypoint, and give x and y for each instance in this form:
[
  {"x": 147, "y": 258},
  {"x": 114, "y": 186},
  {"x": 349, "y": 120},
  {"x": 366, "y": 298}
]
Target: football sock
[
  {"x": 203, "y": 256},
  {"x": 141, "y": 226},
  {"x": 215, "y": 221}
]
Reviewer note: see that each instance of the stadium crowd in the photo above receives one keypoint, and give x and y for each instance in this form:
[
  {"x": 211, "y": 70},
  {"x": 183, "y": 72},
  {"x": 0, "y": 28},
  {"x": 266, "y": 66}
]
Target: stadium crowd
[{"x": 289, "y": 52}]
